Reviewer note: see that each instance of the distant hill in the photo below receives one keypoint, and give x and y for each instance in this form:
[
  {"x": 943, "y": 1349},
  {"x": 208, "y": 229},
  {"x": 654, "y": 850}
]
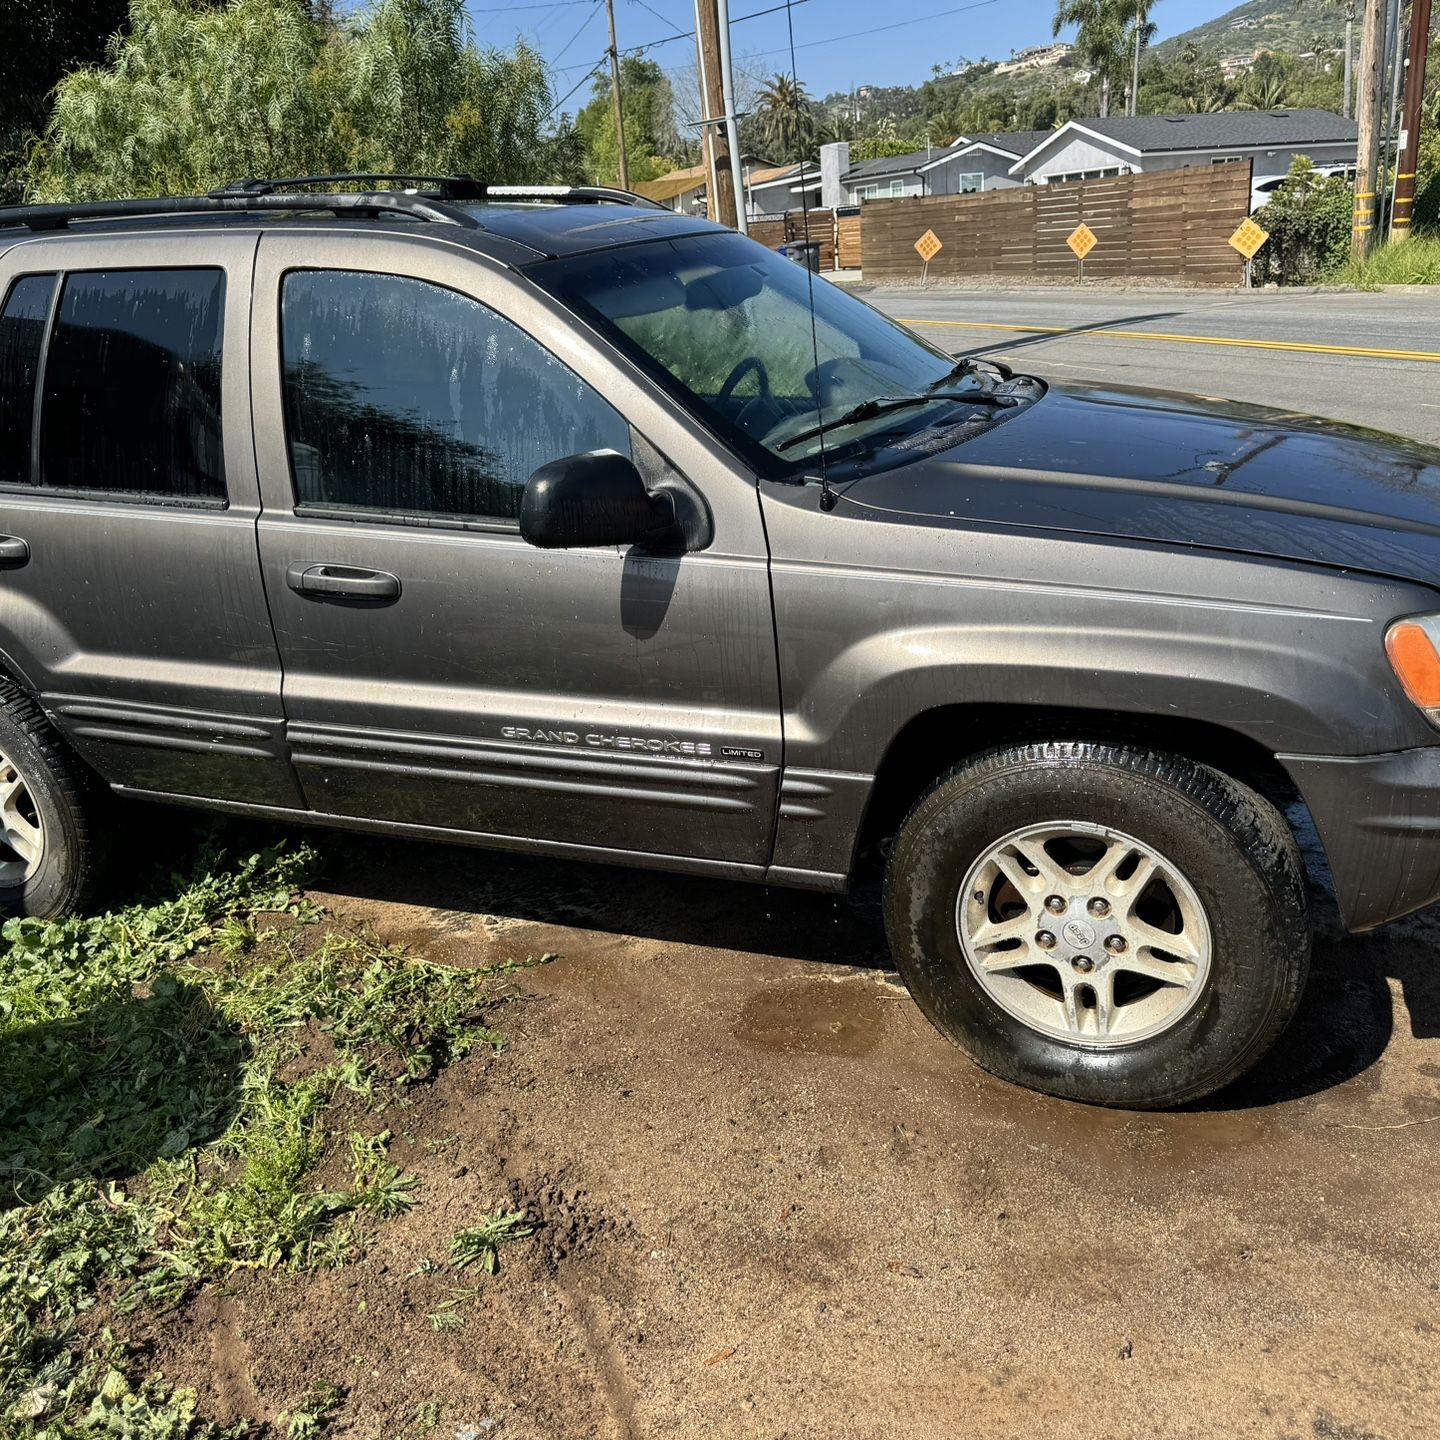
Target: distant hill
[{"x": 1290, "y": 25}]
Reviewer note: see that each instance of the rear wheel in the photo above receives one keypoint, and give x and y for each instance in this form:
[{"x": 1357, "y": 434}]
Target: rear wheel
[
  {"x": 1100, "y": 922},
  {"x": 47, "y": 860}
]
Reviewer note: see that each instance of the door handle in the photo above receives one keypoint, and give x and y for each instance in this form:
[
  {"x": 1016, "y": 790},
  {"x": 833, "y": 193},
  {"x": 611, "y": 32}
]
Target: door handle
[
  {"x": 343, "y": 581},
  {"x": 14, "y": 552}
]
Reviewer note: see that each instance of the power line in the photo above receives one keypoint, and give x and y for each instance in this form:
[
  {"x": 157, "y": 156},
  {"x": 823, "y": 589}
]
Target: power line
[
  {"x": 584, "y": 26},
  {"x": 877, "y": 29},
  {"x": 664, "y": 20},
  {"x": 541, "y": 5},
  {"x": 690, "y": 34}
]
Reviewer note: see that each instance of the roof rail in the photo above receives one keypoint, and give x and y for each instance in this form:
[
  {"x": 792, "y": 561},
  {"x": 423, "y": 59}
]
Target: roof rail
[
  {"x": 446, "y": 187},
  {"x": 419, "y": 207},
  {"x": 451, "y": 187}
]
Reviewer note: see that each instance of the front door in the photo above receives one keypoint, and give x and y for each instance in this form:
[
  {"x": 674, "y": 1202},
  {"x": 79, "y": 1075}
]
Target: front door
[{"x": 438, "y": 671}]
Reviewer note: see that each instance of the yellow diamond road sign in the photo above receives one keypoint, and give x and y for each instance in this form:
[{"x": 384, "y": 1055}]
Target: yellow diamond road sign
[
  {"x": 1249, "y": 238},
  {"x": 1081, "y": 240},
  {"x": 928, "y": 246}
]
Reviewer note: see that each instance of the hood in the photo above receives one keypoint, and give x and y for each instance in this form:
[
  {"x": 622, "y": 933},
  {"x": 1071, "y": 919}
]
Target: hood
[{"x": 1184, "y": 469}]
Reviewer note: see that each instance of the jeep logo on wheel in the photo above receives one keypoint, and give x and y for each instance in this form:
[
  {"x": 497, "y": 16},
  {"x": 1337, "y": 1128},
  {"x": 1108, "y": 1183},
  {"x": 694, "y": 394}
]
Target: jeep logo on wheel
[{"x": 1079, "y": 934}]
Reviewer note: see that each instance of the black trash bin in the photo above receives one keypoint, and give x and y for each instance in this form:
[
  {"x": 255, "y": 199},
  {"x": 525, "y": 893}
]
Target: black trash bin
[{"x": 803, "y": 252}]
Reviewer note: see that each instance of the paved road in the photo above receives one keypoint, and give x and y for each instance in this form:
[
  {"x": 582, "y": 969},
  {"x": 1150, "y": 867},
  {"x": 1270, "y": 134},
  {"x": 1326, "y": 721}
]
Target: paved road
[{"x": 1381, "y": 390}]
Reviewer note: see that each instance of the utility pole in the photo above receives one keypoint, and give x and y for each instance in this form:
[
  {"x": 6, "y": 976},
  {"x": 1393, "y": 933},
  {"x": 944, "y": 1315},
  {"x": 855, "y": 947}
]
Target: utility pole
[
  {"x": 732, "y": 124},
  {"x": 1389, "y": 150},
  {"x": 615, "y": 92},
  {"x": 1349, "y": 57},
  {"x": 1367, "y": 112},
  {"x": 707, "y": 27},
  {"x": 1410, "y": 126}
]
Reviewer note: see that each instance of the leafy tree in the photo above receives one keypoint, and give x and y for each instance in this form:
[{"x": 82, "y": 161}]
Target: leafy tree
[
  {"x": 39, "y": 41},
  {"x": 647, "y": 104},
  {"x": 197, "y": 94},
  {"x": 786, "y": 118}
]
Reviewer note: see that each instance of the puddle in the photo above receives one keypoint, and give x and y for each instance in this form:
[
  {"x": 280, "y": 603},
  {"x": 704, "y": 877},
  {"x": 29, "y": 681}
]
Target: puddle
[{"x": 813, "y": 1017}]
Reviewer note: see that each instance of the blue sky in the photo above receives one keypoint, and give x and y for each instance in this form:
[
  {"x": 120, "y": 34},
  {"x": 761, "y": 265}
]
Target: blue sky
[{"x": 830, "y": 52}]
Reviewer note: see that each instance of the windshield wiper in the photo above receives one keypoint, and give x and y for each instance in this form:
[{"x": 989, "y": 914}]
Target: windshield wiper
[
  {"x": 972, "y": 365},
  {"x": 884, "y": 404}
]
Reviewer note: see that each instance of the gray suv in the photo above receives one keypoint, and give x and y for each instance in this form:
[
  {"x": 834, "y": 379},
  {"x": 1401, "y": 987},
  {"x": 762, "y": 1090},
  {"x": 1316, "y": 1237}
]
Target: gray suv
[{"x": 557, "y": 522}]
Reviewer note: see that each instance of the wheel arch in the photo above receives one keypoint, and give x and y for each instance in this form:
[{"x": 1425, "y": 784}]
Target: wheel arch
[{"x": 937, "y": 739}]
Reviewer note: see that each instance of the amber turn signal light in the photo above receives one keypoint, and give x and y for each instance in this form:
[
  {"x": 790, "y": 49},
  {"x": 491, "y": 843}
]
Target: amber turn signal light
[{"x": 1416, "y": 662}]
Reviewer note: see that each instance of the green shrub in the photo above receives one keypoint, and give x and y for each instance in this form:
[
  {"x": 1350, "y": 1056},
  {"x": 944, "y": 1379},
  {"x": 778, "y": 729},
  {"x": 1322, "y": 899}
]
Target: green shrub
[{"x": 1309, "y": 223}]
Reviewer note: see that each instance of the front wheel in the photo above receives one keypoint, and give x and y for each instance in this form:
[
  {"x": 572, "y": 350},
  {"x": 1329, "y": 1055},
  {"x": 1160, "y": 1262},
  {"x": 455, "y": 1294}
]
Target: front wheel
[{"x": 1100, "y": 922}]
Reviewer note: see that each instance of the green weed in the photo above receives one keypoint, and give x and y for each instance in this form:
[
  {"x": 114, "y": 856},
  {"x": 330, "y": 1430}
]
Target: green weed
[
  {"x": 170, "y": 1079},
  {"x": 1415, "y": 261},
  {"x": 481, "y": 1243}
]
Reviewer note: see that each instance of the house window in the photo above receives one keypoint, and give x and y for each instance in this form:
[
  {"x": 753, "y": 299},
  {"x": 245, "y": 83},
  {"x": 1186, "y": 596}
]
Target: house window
[
  {"x": 1084, "y": 175},
  {"x": 897, "y": 187},
  {"x": 1225, "y": 159},
  {"x": 972, "y": 183}
]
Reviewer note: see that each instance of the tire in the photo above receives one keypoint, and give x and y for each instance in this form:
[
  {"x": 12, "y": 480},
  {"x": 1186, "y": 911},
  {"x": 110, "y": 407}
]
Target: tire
[
  {"x": 54, "y": 795},
  {"x": 1222, "y": 920}
]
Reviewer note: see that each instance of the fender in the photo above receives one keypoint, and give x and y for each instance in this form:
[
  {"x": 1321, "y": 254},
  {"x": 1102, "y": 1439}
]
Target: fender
[{"x": 1292, "y": 657}]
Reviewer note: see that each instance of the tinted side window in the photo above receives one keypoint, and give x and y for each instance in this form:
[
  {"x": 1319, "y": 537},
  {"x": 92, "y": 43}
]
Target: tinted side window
[
  {"x": 132, "y": 385},
  {"x": 407, "y": 398},
  {"x": 22, "y": 329}
]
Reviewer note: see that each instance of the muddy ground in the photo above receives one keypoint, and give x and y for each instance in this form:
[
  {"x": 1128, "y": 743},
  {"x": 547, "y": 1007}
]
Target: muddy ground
[{"x": 774, "y": 1203}]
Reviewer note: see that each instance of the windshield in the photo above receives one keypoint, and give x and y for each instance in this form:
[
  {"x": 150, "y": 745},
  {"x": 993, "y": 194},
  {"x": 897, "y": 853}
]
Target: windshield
[{"x": 727, "y": 325}]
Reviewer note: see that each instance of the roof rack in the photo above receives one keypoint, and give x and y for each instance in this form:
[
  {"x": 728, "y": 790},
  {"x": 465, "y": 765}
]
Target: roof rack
[
  {"x": 57, "y": 217},
  {"x": 444, "y": 187},
  {"x": 451, "y": 187},
  {"x": 434, "y": 202}
]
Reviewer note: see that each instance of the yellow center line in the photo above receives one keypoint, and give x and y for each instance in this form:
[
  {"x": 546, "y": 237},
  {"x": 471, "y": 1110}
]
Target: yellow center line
[{"x": 1105, "y": 334}]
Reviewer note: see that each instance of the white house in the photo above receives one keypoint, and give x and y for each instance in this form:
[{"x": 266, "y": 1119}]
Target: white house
[{"x": 1121, "y": 145}]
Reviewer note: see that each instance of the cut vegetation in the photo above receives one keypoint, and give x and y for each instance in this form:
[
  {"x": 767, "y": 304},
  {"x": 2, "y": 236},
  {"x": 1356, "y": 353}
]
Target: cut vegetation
[{"x": 193, "y": 1088}]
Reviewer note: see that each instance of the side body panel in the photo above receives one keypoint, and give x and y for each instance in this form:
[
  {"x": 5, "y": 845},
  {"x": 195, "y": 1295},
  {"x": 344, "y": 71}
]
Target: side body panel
[
  {"x": 142, "y": 626},
  {"x": 882, "y": 616},
  {"x": 601, "y": 699}
]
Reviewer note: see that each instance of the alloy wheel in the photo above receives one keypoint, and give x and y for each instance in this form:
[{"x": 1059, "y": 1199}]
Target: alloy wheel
[
  {"x": 1084, "y": 933},
  {"x": 22, "y": 834}
]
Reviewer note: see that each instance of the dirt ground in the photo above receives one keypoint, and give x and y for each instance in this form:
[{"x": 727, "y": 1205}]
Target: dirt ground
[{"x": 773, "y": 1203}]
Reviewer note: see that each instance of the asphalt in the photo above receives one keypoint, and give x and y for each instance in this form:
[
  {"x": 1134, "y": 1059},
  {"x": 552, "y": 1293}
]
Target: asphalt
[{"x": 1231, "y": 344}]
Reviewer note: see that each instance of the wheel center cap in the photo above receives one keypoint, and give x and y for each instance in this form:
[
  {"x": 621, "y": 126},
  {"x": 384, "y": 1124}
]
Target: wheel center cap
[{"x": 1079, "y": 933}]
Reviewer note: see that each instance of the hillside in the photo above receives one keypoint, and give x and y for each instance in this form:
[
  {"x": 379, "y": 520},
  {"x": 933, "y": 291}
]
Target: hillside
[{"x": 1291, "y": 25}]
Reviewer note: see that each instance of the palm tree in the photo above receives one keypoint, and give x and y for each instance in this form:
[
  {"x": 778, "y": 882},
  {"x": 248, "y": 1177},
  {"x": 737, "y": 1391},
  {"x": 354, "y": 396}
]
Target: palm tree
[
  {"x": 1348, "y": 8},
  {"x": 1102, "y": 41},
  {"x": 786, "y": 119},
  {"x": 1140, "y": 34}
]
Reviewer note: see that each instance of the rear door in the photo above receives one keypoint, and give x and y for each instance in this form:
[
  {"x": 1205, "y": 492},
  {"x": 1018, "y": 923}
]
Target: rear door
[
  {"x": 440, "y": 672},
  {"x": 130, "y": 592}
]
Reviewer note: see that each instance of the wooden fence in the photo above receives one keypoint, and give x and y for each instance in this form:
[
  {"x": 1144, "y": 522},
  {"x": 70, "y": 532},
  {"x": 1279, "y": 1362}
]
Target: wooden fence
[
  {"x": 1174, "y": 224},
  {"x": 820, "y": 228}
]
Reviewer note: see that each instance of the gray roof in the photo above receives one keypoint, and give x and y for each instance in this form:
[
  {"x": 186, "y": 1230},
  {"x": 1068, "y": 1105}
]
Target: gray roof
[
  {"x": 1013, "y": 142},
  {"x": 1151, "y": 133}
]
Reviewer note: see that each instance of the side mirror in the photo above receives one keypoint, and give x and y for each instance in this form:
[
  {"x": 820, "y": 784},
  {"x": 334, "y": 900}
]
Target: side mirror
[{"x": 598, "y": 498}]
